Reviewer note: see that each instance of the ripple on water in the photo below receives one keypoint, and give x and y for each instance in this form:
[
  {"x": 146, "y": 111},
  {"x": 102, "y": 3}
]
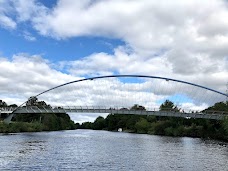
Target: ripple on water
[{"x": 102, "y": 150}]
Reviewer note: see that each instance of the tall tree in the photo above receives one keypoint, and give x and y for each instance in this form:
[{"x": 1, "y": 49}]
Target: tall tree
[
  {"x": 3, "y": 104},
  {"x": 32, "y": 101},
  {"x": 168, "y": 106},
  {"x": 99, "y": 123},
  {"x": 220, "y": 106},
  {"x": 138, "y": 107}
]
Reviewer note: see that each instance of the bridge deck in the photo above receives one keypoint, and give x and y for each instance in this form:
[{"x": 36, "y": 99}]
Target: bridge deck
[{"x": 80, "y": 109}]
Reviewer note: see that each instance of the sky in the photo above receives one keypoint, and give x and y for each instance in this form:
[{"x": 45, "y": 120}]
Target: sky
[{"x": 47, "y": 43}]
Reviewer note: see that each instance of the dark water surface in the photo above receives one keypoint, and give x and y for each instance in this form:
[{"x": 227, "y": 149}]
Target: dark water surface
[{"x": 102, "y": 150}]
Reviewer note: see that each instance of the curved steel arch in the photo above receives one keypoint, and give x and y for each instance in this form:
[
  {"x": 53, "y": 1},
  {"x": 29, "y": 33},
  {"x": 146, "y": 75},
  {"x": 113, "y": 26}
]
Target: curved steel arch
[
  {"x": 136, "y": 76},
  {"x": 130, "y": 76},
  {"x": 118, "y": 76}
]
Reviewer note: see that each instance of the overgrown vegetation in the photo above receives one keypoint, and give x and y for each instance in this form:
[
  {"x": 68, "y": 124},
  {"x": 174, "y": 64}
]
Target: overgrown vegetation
[
  {"x": 36, "y": 122},
  {"x": 170, "y": 126}
]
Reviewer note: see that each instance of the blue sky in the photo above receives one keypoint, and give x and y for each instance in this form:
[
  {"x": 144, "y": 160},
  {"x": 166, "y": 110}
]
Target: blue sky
[
  {"x": 47, "y": 43},
  {"x": 25, "y": 39},
  {"x": 13, "y": 42}
]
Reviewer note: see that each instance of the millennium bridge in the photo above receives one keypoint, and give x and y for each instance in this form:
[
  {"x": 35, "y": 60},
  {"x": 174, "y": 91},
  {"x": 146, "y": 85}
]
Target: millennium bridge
[{"x": 116, "y": 94}]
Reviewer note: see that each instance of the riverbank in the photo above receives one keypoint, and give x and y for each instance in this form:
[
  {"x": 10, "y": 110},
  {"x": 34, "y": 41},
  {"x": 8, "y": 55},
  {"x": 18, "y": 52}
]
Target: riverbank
[
  {"x": 37, "y": 123},
  {"x": 169, "y": 126},
  {"x": 30, "y": 122},
  {"x": 163, "y": 125}
]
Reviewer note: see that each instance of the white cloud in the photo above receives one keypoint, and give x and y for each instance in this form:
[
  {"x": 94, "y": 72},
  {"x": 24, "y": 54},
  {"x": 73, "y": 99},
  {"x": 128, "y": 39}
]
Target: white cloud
[
  {"x": 146, "y": 25},
  {"x": 26, "y": 75},
  {"x": 85, "y": 117},
  {"x": 169, "y": 39},
  {"x": 199, "y": 69},
  {"x": 191, "y": 35},
  {"x": 28, "y": 36},
  {"x": 189, "y": 107},
  {"x": 120, "y": 62},
  {"x": 186, "y": 40},
  {"x": 27, "y": 9},
  {"x": 5, "y": 20}
]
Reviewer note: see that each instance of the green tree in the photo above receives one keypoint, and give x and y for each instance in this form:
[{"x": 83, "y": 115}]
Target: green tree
[
  {"x": 112, "y": 121},
  {"x": 3, "y": 104},
  {"x": 142, "y": 126},
  {"x": 13, "y": 105},
  {"x": 99, "y": 123},
  {"x": 131, "y": 121},
  {"x": 168, "y": 106},
  {"x": 138, "y": 107},
  {"x": 225, "y": 126},
  {"x": 32, "y": 101},
  {"x": 159, "y": 127},
  {"x": 86, "y": 125},
  {"x": 220, "y": 106}
]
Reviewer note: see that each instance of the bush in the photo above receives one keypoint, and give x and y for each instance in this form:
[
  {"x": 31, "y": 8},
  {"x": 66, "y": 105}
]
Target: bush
[{"x": 142, "y": 126}]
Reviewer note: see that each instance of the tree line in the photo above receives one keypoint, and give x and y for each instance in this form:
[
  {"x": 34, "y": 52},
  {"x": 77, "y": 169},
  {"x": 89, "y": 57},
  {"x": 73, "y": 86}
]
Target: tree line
[
  {"x": 159, "y": 125},
  {"x": 35, "y": 122},
  {"x": 156, "y": 125}
]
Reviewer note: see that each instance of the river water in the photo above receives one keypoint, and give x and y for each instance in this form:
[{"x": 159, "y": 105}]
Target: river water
[{"x": 103, "y": 150}]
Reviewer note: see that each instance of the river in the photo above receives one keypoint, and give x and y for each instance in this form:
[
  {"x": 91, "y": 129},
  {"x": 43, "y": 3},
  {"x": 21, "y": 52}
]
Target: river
[{"x": 103, "y": 150}]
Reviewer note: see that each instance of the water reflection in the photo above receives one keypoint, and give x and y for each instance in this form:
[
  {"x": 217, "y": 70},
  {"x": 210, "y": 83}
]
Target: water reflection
[
  {"x": 29, "y": 146},
  {"x": 102, "y": 150}
]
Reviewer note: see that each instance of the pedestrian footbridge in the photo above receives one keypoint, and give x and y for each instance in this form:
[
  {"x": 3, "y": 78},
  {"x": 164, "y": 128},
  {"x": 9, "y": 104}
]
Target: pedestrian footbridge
[{"x": 116, "y": 94}]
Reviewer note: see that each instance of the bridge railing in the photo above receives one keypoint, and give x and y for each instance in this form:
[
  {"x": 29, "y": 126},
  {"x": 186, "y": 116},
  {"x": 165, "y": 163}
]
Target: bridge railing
[
  {"x": 56, "y": 108},
  {"x": 4, "y": 109},
  {"x": 101, "y": 109},
  {"x": 218, "y": 115}
]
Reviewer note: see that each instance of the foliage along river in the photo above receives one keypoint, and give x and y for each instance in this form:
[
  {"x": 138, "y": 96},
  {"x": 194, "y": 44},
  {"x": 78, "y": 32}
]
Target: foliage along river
[{"x": 103, "y": 150}]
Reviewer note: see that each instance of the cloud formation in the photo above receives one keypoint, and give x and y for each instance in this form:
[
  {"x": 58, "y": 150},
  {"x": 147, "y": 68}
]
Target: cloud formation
[
  {"x": 5, "y": 19},
  {"x": 173, "y": 37},
  {"x": 147, "y": 26},
  {"x": 186, "y": 40},
  {"x": 26, "y": 75}
]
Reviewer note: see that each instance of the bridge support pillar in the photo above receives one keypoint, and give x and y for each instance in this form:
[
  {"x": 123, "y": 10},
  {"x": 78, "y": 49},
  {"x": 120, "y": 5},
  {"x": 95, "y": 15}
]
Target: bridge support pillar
[{"x": 8, "y": 119}]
